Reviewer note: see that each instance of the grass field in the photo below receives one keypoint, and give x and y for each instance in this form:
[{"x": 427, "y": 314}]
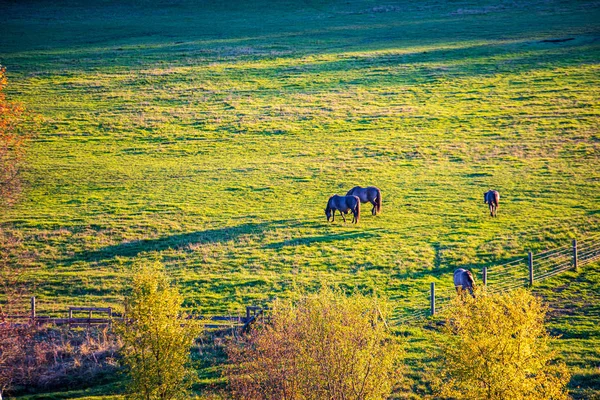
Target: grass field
[{"x": 209, "y": 137}]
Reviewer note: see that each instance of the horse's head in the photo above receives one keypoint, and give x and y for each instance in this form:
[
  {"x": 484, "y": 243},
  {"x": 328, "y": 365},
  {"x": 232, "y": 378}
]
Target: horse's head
[
  {"x": 328, "y": 213},
  {"x": 471, "y": 283},
  {"x": 485, "y": 195},
  {"x": 329, "y": 209}
]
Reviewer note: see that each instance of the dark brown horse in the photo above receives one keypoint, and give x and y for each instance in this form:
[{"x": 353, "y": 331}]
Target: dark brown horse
[
  {"x": 369, "y": 194},
  {"x": 492, "y": 198},
  {"x": 463, "y": 280},
  {"x": 343, "y": 204}
]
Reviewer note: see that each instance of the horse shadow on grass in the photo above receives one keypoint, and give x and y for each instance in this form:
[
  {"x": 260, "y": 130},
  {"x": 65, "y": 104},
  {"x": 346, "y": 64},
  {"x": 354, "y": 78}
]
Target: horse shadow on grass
[
  {"x": 178, "y": 241},
  {"x": 334, "y": 237},
  {"x": 187, "y": 241}
]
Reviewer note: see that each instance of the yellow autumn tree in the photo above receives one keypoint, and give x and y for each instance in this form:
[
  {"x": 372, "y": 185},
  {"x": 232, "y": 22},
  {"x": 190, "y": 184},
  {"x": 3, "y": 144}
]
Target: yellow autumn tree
[
  {"x": 157, "y": 338},
  {"x": 496, "y": 347},
  {"x": 325, "y": 346}
]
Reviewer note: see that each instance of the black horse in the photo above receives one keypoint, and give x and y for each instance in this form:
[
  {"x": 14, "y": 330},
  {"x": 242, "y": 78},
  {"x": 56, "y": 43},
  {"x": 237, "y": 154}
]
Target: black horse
[
  {"x": 343, "y": 204},
  {"x": 369, "y": 194},
  {"x": 492, "y": 198}
]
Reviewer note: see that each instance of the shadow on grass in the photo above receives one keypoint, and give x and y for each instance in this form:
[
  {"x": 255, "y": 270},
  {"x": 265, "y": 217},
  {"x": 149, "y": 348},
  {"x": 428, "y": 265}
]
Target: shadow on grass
[
  {"x": 445, "y": 270},
  {"x": 86, "y": 287},
  {"x": 369, "y": 234},
  {"x": 152, "y": 38},
  {"x": 185, "y": 240},
  {"x": 178, "y": 241},
  {"x": 107, "y": 385}
]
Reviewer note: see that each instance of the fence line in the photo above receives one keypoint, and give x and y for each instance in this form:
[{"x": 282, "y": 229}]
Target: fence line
[
  {"x": 522, "y": 272},
  {"x": 253, "y": 314}
]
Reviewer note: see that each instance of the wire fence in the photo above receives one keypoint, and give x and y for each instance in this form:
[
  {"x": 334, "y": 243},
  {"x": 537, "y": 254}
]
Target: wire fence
[
  {"x": 517, "y": 273},
  {"x": 420, "y": 303}
]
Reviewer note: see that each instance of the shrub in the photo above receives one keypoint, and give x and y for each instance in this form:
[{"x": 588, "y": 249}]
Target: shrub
[
  {"x": 39, "y": 358},
  {"x": 496, "y": 347},
  {"x": 157, "y": 338},
  {"x": 324, "y": 346},
  {"x": 17, "y": 359}
]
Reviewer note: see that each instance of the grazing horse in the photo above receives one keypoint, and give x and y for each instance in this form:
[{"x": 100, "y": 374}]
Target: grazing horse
[
  {"x": 492, "y": 198},
  {"x": 343, "y": 204},
  {"x": 463, "y": 280},
  {"x": 369, "y": 194}
]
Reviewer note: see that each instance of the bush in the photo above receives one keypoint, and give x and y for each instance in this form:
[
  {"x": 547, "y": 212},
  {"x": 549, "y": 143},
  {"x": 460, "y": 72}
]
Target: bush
[
  {"x": 157, "y": 338},
  {"x": 17, "y": 358},
  {"x": 326, "y": 346},
  {"x": 496, "y": 347},
  {"x": 39, "y": 358}
]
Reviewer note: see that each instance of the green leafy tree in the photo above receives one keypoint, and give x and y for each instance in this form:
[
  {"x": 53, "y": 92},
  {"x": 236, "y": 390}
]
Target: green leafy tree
[
  {"x": 496, "y": 347},
  {"x": 324, "y": 346},
  {"x": 157, "y": 338}
]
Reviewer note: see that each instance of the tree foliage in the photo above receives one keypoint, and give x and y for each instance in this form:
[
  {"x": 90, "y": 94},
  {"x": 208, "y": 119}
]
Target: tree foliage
[
  {"x": 157, "y": 338},
  {"x": 496, "y": 347},
  {"x": 325, "y": 346}
]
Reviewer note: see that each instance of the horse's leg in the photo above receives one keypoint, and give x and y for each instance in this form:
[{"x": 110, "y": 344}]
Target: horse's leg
[
  {"x": 333, "y": 216},
  {"x": 374, "y": 210},
  {"x": 342, "y": 214}
]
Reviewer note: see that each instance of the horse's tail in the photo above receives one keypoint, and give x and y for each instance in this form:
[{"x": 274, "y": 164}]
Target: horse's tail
[
  {"x": 378, "y": 201},
  {"x": 357, "y": 215}
]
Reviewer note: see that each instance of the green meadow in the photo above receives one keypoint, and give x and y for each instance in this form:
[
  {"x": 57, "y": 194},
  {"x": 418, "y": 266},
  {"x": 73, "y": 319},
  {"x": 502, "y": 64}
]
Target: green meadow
[{"x": 209, "y": 136}]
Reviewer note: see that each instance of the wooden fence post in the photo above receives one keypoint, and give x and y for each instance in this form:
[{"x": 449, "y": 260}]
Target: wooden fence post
[
  {"x": 432, "y": 300},
  {"x": 575, "y": 254},
  {"x": 530, "y": 262},
  {"x": 33, "y": 309},
  {"x": 484, "y": 276}
]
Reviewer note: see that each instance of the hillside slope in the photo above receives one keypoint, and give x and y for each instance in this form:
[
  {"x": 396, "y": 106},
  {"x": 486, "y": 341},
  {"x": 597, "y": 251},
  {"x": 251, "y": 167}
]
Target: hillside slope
[{"x": 210, "y": 138}]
